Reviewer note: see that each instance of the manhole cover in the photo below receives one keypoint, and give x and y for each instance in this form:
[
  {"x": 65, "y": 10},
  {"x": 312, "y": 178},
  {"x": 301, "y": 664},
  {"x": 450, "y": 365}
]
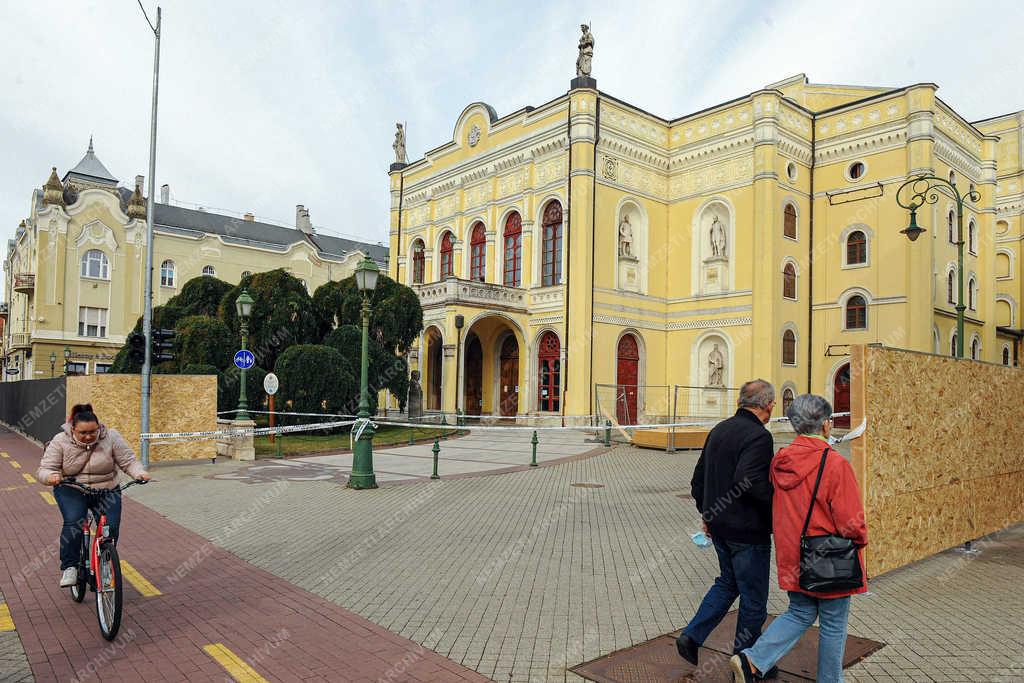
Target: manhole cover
[{"x": 588, "y": 486}]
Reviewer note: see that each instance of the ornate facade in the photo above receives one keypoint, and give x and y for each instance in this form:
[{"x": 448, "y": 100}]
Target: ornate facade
[{"x": 586, "y": 242}]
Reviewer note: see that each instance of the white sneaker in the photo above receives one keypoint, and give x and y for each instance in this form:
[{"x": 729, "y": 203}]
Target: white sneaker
[{"x": 69, "y": 577}]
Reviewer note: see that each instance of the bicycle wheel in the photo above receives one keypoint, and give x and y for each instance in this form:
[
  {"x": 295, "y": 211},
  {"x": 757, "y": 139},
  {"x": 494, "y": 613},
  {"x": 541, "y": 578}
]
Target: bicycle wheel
[
  {"x": 108, "y": 591},
  {"x": 79, "y": 589}
]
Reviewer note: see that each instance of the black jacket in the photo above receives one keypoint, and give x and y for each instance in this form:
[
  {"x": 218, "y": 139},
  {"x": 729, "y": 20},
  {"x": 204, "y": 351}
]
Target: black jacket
[{"x": 730, "y": 483}]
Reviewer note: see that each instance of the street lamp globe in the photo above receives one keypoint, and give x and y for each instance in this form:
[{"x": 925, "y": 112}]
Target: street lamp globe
[
  {"x": 367, "y": 273},
  {"x": 53, "y": 357},
  {"x": 913, "y": 231},
  {"x": 67, "y": 353},
  {"x": 243, "y": 304}
]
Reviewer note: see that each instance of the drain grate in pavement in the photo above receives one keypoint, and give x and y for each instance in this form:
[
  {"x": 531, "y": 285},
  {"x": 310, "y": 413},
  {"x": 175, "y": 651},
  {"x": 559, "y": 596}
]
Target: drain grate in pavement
[
  {"x": 657, "y": 659},
  {"x": 588, "y": 486}
]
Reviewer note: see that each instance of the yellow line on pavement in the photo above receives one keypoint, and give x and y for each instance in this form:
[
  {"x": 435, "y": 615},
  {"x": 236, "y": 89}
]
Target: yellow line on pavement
[
  {"x": 132, "y": 575},
  {"x": 48, "y": 497},
  {"x": 15, "y": 464},
  {"x": 233, "y": 664},
  {"x": 4, "y": 454},
  {"x": 6, "y": 623},
  {"x": 28, "y": 477}
]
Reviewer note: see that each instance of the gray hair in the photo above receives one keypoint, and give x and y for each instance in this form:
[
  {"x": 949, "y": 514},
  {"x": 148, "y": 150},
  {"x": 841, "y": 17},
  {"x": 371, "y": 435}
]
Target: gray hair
[
  {"x": 757, "y": 393},
  {"x": 808, "y": 412}
]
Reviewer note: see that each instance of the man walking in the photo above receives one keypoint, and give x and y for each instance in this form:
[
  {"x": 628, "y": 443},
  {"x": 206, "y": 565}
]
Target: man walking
[{"x": 733, "y": 494}]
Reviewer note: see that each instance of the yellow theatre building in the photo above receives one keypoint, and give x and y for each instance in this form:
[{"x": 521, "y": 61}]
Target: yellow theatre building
[{"x": 587, "y": 243}]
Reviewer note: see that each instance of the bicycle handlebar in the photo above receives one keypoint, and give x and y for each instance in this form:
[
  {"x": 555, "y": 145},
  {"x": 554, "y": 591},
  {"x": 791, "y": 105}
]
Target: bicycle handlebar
[{"x": 70, "y": 481}]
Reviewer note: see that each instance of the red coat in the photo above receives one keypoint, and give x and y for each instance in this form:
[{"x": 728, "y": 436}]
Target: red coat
[{"x": 837, "y": 508}]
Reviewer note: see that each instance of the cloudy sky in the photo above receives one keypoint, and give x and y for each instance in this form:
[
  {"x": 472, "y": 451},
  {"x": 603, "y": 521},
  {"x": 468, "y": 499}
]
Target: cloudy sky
[{"x": 265, "y": 105}]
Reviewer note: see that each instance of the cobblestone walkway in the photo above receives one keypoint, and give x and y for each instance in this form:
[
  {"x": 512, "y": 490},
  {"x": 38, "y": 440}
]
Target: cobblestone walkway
[{"x": 520, "y": 575}]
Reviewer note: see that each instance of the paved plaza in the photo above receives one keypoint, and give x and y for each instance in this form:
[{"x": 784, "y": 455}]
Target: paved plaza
[{"x": 516, "y": 576}]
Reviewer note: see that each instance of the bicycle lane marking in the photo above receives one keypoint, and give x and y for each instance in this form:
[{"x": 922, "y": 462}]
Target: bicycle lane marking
[
  {"x": 233, "y": 664},
  {"x": 138, "y": 581},
  {"x": 6, "y": 622}
]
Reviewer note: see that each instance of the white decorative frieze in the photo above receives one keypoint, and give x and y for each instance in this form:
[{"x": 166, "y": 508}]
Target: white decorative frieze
[
  {"x": 956, "y": 130},
  {"x": 855, "y": 120}
]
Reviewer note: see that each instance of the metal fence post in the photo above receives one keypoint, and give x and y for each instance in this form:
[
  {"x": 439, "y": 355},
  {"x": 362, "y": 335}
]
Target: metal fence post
[
  {"x": 278, "y": 441},
  {"x": 607, "y": 432},
  {"x": 412, "y": 430},
  {"x": 533, "y": 443},
  {"x": 437, "y": 450}
]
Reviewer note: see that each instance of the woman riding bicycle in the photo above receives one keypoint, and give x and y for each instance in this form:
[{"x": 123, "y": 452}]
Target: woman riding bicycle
[{"x": 91, "y": 453}]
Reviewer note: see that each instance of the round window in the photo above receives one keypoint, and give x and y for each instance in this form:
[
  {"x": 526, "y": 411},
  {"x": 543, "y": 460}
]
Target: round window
[
  {"x": 856, "y": 170},
  {"x": 791, "y": 172}
]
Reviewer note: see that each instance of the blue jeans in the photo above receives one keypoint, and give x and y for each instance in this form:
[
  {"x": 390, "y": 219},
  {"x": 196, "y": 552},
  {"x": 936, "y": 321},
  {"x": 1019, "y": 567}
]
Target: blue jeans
[
  {"x": 744, "y": 569},
  {"x": 73, "y": 505},
  {"x": 783, "y": 633}
]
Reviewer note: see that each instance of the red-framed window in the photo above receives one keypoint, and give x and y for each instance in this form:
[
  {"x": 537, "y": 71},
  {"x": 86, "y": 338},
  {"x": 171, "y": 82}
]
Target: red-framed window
[
  {"x": 789, "y": 281},
  {"x": 478, "y": 253},
  {"x": 447, "y": 262},
  {"x": 513, "y": 241},
  {"x": 418, "y": 262},
  {"x": 551, "y": 260},
  {"x": 856, "y": 248},
  {"x": 950, "y": 287},
  {"x": 788, "y": 348},
  {"x": 856, "y": 313},
  {"x": 549, "y": 373},
  {"x": 789, "y": 221}
]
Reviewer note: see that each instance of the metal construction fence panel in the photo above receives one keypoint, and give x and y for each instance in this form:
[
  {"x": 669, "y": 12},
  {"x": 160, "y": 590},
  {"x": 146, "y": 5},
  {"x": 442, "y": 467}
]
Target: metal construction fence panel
[
  {"x": 649, "y": 404},
  {"x": 36, "y": 407}
]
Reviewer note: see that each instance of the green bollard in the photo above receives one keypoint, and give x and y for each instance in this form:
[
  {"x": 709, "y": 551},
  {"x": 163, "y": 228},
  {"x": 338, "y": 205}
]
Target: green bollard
[
  {"x": 437, "y": 450},
  {"x": 607, "y": 432},
  {"x": 278, "y": 443},
  {"x": 533, "y": 442}
]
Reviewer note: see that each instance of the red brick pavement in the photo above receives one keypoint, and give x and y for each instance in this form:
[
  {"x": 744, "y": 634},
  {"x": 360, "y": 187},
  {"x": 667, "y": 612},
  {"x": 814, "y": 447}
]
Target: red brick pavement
[{"x": 283, "y": 632}]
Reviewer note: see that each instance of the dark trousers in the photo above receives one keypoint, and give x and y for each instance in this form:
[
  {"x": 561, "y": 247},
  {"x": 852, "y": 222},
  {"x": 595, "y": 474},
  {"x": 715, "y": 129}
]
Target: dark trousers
[
  {"x": 73, "y": 505},
  {"x": 744, "y": 570}
]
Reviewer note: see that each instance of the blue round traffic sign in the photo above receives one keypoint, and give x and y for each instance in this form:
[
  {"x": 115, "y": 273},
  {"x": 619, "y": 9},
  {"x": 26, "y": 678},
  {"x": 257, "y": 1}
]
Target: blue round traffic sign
[{"x": 244, "y": 359}]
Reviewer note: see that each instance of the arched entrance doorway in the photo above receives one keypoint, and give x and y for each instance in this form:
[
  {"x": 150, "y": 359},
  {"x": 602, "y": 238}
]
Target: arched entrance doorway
[
  {"x": 474, "y": 370},
  {"x": 434, "y": 364},
  {"x": 508, "y": 387},
  {"x": 626, "y": 375},
  {"x": 841, "y": 396}
]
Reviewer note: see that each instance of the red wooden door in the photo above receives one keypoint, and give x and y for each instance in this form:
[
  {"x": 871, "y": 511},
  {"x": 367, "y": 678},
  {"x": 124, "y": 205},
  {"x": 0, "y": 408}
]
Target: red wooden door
[
  {"x": 841, "y": 397},
  {"x": 474, "y": 376},
  {"x": 627, "y": 372},
  {"x": 509, "y": 389}
]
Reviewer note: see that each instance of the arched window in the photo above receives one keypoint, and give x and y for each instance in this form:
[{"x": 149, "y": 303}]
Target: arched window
[
  {"x": 551, "y": 259},
  {"x": 951, "y": 227},
  {"x": 789, "y": 281},
  {"x": 167, "y": 273},
  {"x": 788, "y": 348},
  {"x": 951, "y": 287},
  {"x": 478, "y": 253},
  {"x": 856, "y": 248},
  {"x": 975, "y": 348},
  {"x": 210, "y": 270},
  {"x": 952, "y": 346},
  {"x": 549, "y": 373},
  {"x": 787, "y": 399},
  {"x": 447, "y": 262},
  {"x": 972, "y": 237},
  {"x": 418, "y": 262},
  {"x": 95, "y": 264},
  {"x": 1006, "y": 355},
  {"x": 789, "y": 221},
  {"x": 971, "y": 294},
  {"x": 856, "y": 313},
  {"x": 513, "y": 250}
]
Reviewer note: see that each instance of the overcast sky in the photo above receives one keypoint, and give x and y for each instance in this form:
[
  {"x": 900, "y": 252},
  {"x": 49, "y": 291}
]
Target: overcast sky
[{"x": 267, "y": 105}]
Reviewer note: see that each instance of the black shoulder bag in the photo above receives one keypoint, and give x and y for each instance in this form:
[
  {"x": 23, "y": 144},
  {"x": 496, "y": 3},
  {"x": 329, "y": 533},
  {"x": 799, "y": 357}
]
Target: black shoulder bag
[{"x": 828, "y": 563}]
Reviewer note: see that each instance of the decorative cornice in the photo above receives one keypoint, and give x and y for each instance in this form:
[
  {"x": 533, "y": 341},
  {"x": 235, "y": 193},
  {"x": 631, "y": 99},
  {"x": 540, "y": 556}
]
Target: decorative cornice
[
  {"x": 950, "y": 152},
  {"x": 850, "y": 148}
]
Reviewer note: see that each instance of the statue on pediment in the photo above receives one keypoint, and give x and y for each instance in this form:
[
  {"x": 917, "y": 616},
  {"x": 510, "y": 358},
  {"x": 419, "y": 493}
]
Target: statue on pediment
[{"x": 586, "y": 55}]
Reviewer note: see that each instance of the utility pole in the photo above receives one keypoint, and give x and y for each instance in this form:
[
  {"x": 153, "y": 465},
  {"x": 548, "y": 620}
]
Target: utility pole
[{"x": 147, "y": 315}]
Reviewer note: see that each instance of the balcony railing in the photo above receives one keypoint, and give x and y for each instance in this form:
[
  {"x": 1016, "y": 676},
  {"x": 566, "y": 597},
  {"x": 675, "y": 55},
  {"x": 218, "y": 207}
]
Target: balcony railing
[
  {"x": 21, "y": 340},
  {"x": 469, "y": 292},
  {"x": 24, "y": 282}
]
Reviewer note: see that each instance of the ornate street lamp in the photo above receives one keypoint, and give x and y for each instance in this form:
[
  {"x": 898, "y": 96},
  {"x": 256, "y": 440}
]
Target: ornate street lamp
[
  {"x": 67, "y": 358},
  {"x": 243, "y": 306},
  {"x": 53, "y": 362},
  {"x": 921, "y": 190},
  {"x": 362, "y": 476}
]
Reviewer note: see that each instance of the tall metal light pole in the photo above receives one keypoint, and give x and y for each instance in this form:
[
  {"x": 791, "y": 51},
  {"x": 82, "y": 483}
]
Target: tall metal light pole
[
  {"x": 147, "y": 314},
  {"x": 243, "y": 306},
  {"x": 921, "y": 190},
  {"x": 362, "y": 476}
]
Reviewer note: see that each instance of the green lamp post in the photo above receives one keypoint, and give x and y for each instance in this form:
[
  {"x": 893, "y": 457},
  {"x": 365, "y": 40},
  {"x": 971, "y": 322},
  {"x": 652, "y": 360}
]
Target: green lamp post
[
  {"x": 67, "y": 358},
  {"x": 362, "y": 476},
  {"x": 921, "y": 190},
  {"x": 53, "y": 362},
  {"x": 243, "y": 306}
]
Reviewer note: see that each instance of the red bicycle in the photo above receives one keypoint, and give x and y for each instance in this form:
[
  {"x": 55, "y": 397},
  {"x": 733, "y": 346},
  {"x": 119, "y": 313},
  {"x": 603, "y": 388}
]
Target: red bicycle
[{"x": 99, "y": 568}]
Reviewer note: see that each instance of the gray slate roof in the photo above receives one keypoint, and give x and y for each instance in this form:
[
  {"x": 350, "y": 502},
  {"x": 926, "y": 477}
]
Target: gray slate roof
[
  {"x": 91, "y": 168},
  {"x": 243, "y": 231}
]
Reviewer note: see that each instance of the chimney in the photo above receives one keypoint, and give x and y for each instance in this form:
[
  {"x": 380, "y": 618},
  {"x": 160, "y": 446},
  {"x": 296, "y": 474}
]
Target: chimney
[
  {"x": 165, "y": 194},
  {"x": 140, "y": 182},
  {"x": 249, "y": 217},
  {"x": 302, "y": 221}
]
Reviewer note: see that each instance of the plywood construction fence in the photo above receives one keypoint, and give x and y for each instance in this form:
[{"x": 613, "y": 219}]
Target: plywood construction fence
[
  {"x": 940, "y": 462},
  {"x": 178, "y": 403}
]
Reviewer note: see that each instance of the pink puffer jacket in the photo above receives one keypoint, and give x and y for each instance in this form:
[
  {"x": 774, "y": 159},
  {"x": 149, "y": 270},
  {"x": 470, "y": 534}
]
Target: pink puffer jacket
[{"x": 93, "y": 465}]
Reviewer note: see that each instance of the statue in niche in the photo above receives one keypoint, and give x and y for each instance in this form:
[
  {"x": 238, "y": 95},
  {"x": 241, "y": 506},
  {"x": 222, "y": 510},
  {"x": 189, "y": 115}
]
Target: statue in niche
[
  {"x": 625, "y": 237},
  {"x": 399, "y": 144},
  {"x": 586, "y": 52},
  {"x": 716, "y": 368},
  {"x": 414, "y": 404},
  {"x": 717, "y": 238}
]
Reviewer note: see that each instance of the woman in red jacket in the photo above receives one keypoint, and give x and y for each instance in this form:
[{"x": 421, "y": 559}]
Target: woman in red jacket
[{"x": 837, "y": 510}]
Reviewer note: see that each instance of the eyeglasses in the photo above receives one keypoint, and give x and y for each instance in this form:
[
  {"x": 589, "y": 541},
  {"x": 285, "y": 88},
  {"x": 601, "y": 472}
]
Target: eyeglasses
[{"x": 91, "y": 432}]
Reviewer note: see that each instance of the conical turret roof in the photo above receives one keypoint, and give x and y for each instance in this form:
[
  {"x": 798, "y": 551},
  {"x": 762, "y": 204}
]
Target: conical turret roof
[{"x": 91, "y": 169}]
